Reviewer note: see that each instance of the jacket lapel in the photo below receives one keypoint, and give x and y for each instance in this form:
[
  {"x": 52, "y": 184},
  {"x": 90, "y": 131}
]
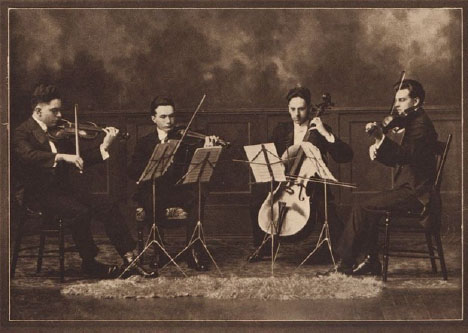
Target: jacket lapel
[
  {"x": 40, "y": 135},
  {"x": 290, "y": 135}
]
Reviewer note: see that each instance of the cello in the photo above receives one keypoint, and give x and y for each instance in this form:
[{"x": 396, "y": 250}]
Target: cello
[{"x": 288, "y": 206}]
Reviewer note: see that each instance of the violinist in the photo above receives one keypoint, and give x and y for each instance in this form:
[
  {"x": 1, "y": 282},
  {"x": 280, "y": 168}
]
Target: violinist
[
  {"x": 182, "y": 199},
  {"x": 45, "y": 167},
  {"x": 414, "y": 163},
  {"x": 293, "y": 133}
]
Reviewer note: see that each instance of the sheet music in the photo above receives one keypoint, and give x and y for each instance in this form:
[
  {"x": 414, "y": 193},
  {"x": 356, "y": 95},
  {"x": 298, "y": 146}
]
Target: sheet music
[
  {"x": 262, "y": 170},
  {"x": 159, "y": 161},
  {"x": 199, "y": 170},
  {"x": 316, "y": 161}
]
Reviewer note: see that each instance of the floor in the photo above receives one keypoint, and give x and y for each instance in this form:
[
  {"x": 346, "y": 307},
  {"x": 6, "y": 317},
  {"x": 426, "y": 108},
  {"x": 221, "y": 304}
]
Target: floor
[{"x": 412, "y": 292}]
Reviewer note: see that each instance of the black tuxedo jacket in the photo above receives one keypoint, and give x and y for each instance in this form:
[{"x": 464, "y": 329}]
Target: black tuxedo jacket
[
  {"x": 283, "y": 137},
  {"x": 33, "y": 159},
  {"x": 341, "y": 152},
  {"x": 414, "y": 159},
  {"x": 143, "y": 151}
]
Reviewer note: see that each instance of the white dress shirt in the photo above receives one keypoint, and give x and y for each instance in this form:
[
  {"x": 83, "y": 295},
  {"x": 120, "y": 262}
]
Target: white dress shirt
[
  {"x": 299, "y": 132},
  {"x": 162, "y": 135}
]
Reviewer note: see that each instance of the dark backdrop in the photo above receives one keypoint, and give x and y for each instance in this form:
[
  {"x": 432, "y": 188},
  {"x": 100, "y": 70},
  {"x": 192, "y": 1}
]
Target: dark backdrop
[
  {"x": 114, "y": 61},
  {"x": 120, "y": 58}
]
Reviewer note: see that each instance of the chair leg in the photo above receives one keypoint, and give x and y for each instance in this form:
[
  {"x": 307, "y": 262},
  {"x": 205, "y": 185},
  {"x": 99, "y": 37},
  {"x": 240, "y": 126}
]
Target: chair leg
[
  {"x": 431, "y": 251},
  {"x": 386, "y": 247},
  {"x": 440, "y": 251},
  {"x": 17, "y": 246},
  {"x": 61, "y": 250},
  {"x": 40, "y": 255},
  {"x": 140, "y": 227}
]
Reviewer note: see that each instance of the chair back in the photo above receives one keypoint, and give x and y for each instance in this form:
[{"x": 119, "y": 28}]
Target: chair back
[
  {"x": 442, "y": 151},
  {"x": 433, "y": 214}
]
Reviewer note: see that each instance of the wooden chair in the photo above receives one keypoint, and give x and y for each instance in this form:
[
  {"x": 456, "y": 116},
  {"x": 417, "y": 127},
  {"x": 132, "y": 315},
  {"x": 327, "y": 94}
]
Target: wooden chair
[
  {"x": 175, "y": 217},
  {"x": 428, "y": 222},
  {"x": 49, "y": 227}
]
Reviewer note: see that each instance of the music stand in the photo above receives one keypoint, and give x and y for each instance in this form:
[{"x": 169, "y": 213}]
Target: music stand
[
  {"x": 267, "y": 167},
  {"x": 161, "y": 158},
  {"x": 200, "y": 170},
  {"x": 325, "y": 177}
]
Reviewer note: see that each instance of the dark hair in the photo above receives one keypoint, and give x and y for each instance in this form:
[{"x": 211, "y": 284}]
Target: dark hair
[
  {"x": 44, "y": 94},
  {"x": 160, "y": 100},
  {"x": 301, "y": 92},
  {"x": 415, "y": 89}
]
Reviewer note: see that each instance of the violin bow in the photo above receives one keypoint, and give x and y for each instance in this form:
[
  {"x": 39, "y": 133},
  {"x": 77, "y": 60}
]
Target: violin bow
[
  {"x": 402, "y": 78},
  {"x": 77, "y": 139},
  {"x": 185, "y": 131}
]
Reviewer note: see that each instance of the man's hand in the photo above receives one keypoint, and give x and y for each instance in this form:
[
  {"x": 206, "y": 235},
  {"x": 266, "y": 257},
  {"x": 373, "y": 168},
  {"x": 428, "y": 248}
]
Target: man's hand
[
  {"x": 72, "y": 159},
  {"x": 373, "y": 152},
  {"x": 111, "y": 134},
  {"x": 375, "y": 131},
  {"x": 211, "y": 141},
  {"x": 317, "y": 124}
]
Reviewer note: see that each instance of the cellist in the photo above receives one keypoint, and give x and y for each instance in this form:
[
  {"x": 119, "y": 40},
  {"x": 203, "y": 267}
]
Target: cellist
[{"x": 292, "y": 133}]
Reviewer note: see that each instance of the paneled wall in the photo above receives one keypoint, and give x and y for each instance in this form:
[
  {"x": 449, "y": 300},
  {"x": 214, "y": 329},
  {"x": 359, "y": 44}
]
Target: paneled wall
[{"x": 226, "y": 211}]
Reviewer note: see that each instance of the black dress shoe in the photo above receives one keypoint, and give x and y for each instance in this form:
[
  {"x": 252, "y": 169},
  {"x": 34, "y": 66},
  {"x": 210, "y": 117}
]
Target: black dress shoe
[
  {"x": 96, "y": 269},
  {"x": 136, "y": 269},
  {"x": 371, "y": 265},
  {"x": 344, "y": 268},
  {"x": 196, "y": 262}
]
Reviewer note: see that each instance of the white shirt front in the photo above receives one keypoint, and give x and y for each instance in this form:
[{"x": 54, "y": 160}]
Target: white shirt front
[
  {"x": 162, "y": 135},
  {"x": 299, "y": 132}
]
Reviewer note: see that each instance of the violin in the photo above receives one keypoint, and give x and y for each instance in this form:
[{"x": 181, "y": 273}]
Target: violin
[
  {"x": 87, "y": 130},
  {"x": 287, "y": 206},
  {"x": 394, "y": 120},
  {"x": 191, "y": 134}
]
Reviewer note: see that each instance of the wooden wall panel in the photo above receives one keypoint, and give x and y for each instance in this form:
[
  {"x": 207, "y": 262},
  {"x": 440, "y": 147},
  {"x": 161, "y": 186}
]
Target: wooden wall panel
[{"x": 229, "y": 197}]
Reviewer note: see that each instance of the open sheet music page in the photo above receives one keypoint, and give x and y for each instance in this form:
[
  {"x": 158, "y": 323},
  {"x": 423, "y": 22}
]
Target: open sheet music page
[
  {"x": 202, "y": 165},
  {"x": 315, "y": 160},
  {"x": 263, "y": 171}
]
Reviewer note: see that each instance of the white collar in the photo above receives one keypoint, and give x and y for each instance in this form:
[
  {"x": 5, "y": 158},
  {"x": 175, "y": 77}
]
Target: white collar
[
  {"x": 41, "y": 123},
  {"x": 162, "y": 135},
  {"x": 302, "y": 126}
]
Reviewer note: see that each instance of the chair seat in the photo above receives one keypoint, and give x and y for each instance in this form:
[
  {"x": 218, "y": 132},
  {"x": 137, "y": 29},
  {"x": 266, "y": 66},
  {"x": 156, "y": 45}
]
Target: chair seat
[
  {"x": 403, "y": 213},
  {"x": 176, "y": 213}
]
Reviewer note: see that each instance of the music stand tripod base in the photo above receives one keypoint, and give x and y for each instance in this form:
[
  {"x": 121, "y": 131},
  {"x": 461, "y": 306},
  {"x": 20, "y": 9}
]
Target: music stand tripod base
[
  {"x": 200, "y": 170},
  {"x": 161, "y": 159},
  {"x": 324, "y": 233}
]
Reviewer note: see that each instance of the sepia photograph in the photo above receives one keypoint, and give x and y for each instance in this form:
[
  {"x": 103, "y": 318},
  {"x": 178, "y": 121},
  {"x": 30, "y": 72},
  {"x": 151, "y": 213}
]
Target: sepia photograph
[{"x": 235, "y": 165}]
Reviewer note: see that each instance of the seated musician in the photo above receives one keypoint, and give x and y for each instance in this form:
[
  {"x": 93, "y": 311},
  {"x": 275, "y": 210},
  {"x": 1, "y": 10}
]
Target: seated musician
[
  {"x": 169, "y": 195},
  {"x": 415, "y": 164},
  {"x": 292, "y": 133},
  {"x": 45, "y": 166}
]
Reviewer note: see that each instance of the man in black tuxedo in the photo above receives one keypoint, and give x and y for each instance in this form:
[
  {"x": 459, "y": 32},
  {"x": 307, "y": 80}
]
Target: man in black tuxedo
[
  {"x": 414, "y": 162},
  {"x": 163, "y": 114},
  {"x": 292, "y": 133},
  {"x": 45, "y": 168}
]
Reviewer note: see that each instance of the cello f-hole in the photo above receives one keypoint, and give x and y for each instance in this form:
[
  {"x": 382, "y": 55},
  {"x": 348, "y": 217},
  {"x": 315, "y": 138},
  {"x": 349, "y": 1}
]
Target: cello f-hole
[{"x": 301, "y": 196}]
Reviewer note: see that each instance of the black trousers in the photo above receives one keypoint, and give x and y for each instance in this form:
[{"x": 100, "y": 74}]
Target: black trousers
[
  {"x": 317, "y": 214},
  {"x": 184, "y": 196},
  {"x": 77, "y": 209},
  {"x": 360, "y": 235}
]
